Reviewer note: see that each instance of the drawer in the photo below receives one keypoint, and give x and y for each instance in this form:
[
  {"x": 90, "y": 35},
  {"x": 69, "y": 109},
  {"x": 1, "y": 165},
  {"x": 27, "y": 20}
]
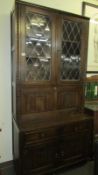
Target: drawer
[
  {"x": 39, "y": 136},
  {"x": 56, "y": 132},
  {"x": 81, "y": 126},
  {"x": 73, "y": 127},
  {"x": 84, "y": 125}
]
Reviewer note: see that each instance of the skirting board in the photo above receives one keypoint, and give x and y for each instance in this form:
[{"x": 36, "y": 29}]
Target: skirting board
[{"x": 6, "y": 164}]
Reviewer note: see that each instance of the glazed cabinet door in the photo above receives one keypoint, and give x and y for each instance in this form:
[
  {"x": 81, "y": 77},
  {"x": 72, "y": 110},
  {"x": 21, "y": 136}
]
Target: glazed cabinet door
[
  {"x": 36, "y": 45},
  {"x": 71, "y": 48}
]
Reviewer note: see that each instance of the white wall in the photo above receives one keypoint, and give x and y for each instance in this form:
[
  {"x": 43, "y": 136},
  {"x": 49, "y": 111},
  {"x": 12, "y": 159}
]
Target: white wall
[
  {"x": 5, "y": 83},
  {"x": 73, "y": 6}
]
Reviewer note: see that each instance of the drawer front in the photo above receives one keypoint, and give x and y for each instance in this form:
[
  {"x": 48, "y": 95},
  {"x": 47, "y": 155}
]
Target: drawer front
[
  {"x": 73, "y": 128},
  {"x": 80, "y": 126},
  {"x": 40, "y": 136},
  {"x": 43, "y": 135}
]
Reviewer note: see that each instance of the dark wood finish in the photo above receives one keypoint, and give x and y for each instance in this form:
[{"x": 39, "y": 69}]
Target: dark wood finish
[
  {"x": 37, "y": 100},
  {"x": 48, "y": 146},
  {"x": 91, "y": 105},
  {"x": 50, "y": 129},
  {"x": 69, "y": 97},
  {"x": 91, "y": 108}
]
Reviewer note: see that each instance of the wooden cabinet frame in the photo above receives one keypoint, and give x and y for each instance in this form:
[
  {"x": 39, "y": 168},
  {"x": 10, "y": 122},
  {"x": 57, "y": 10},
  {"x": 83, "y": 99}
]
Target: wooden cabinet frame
[{"x": 50, "y": 128}]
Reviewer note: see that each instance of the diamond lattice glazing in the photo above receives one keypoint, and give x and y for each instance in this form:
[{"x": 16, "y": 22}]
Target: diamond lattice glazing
[
  {"x": 38, "y": 47},
  {"x": 70, "y": 56}
]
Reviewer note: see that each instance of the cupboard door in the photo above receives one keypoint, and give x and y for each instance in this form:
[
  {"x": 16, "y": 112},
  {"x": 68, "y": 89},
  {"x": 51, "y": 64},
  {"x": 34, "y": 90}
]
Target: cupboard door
[
  {"x": 37, "y": 46},
  {"x": 40, "y": 157},
  {"x": 73, "y": 148}
]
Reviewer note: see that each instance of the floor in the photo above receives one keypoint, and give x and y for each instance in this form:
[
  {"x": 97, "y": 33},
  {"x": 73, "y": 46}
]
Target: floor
[{"x": 85, "y": 169}]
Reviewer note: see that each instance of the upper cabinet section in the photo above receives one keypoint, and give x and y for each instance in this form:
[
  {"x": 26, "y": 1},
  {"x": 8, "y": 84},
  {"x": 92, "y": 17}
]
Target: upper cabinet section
[{"x": 52, "y": 45}]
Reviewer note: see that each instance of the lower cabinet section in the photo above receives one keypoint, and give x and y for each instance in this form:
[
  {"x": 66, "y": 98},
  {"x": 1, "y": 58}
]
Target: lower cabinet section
[{"x": 46, "y": 150}]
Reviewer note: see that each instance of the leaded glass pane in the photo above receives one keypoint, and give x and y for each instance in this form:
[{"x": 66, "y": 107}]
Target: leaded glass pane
[
  {"x": 38, "y": 47},
  {"x": 70, "y": 54}
]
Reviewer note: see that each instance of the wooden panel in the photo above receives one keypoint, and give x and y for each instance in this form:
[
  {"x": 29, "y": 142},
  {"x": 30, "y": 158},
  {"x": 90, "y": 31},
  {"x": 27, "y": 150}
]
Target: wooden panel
[
  {"x": 38, "y": 156},
  {"x": 65, "y": 148},
  {"x": 74, "y": 128},
  {"x": 37, "y": 100},
  {"x": 69, "y": 97},
  {"x": 38, "y": 136},
  {"x": 73, "y": 146}
]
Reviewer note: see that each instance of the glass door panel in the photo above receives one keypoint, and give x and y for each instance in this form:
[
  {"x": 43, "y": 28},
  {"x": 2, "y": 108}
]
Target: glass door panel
[
  {"x": 70, "y": 53},
  {"x": 38, "y": 47}
]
